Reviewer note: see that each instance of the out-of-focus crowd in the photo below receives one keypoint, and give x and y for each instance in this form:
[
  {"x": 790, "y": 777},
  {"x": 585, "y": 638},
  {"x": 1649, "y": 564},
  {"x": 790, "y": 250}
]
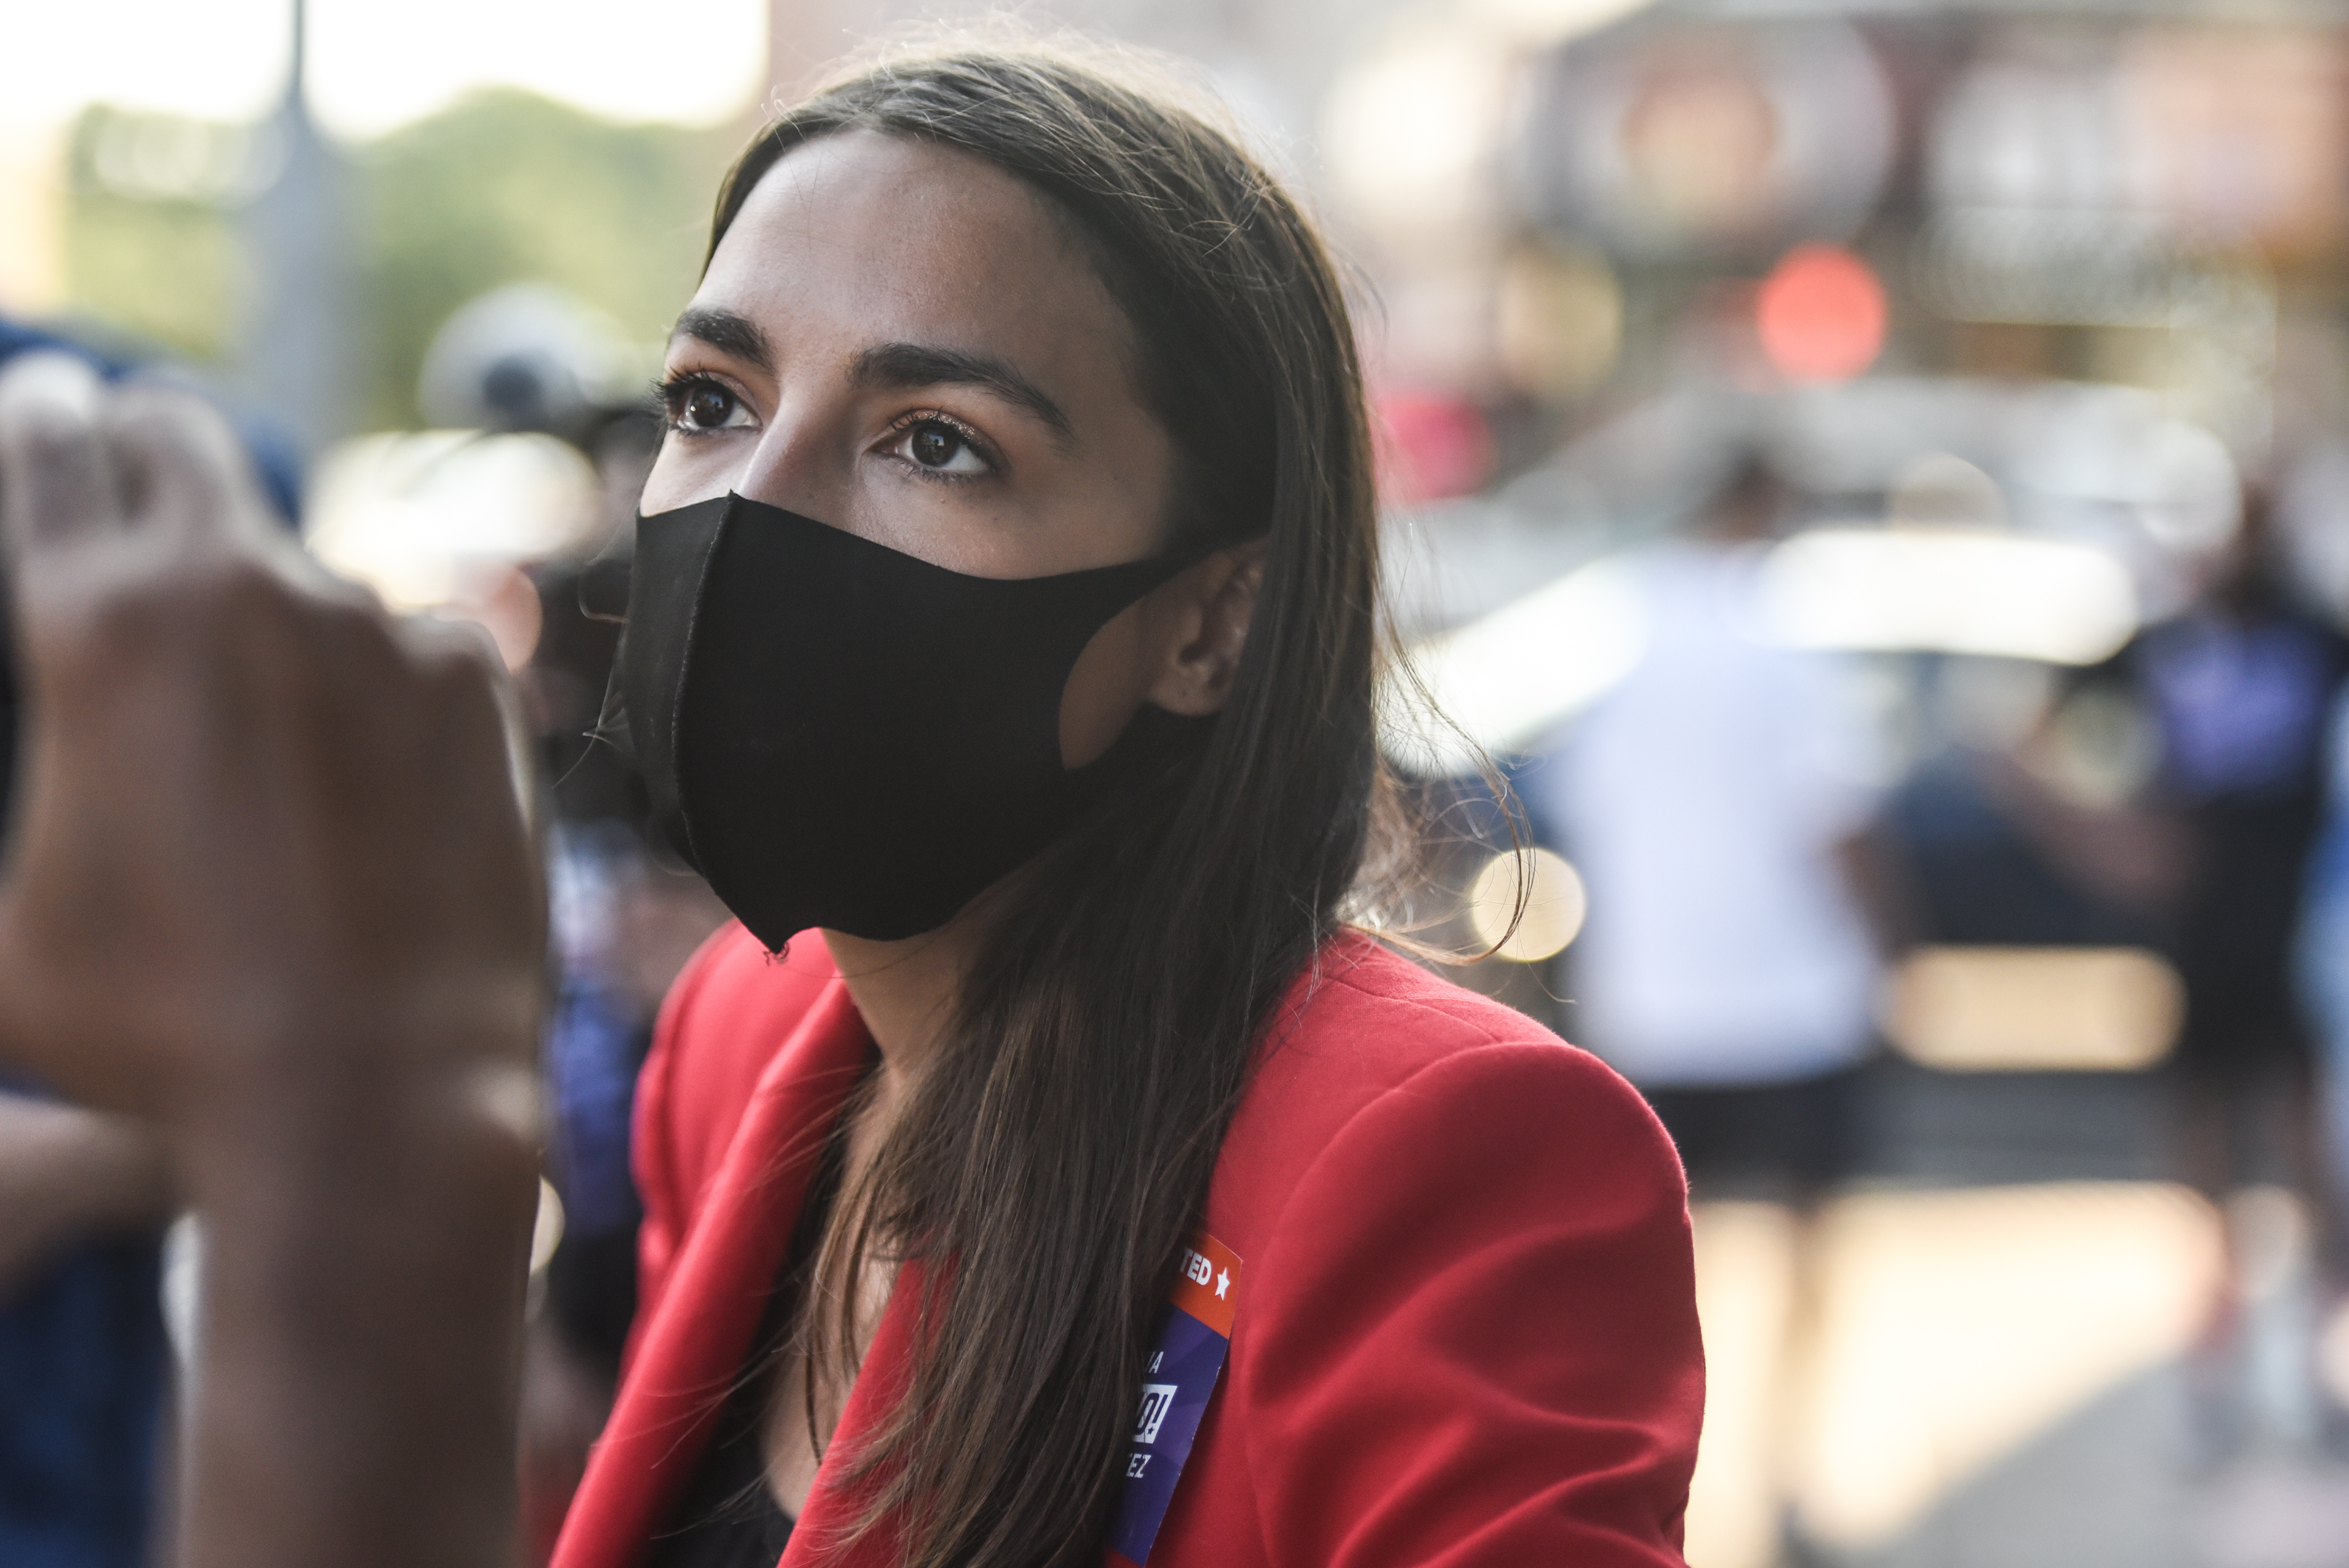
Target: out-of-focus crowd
[{"x": 1794, "y": 873}]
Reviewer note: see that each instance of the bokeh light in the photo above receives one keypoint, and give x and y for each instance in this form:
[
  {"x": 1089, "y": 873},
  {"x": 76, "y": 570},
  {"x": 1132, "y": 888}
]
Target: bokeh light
[
  {"x": 1820, "y": 315},
  {"x": 1549, "y": 916}
]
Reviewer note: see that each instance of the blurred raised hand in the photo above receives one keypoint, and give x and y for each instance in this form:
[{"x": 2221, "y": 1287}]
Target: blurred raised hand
[
  {"x": 265, "y": 834},
  {"x": 269, "y": 886}
]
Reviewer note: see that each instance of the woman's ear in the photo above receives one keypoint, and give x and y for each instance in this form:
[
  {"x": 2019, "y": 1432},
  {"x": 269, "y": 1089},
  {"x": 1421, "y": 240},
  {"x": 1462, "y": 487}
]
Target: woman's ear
[{"x": 1206, "y": 630}]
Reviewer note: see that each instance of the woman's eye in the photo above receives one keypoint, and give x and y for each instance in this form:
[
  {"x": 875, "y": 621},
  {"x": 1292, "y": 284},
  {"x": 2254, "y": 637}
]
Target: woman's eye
[
  {"x": 940, "y": 448},
  {"x": 697, "y": 405}
]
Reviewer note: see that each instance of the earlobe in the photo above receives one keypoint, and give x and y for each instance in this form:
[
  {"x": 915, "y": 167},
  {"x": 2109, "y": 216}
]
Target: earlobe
[{"x": 1209, "y": 631}]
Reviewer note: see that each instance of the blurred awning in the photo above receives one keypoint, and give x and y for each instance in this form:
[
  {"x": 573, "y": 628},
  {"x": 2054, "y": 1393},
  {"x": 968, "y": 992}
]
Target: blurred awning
[
  {"x": 1954, "y": 590},
  {"x": 1504, "y": 682}
]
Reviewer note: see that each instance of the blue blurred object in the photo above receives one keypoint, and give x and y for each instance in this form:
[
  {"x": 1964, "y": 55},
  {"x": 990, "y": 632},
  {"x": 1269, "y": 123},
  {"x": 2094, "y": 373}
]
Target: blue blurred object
[
  {"x": 596, "y": 1042},
  {"x": 2241, "y": 694},
  {"x": 274, "y": 456},
  {"x": 2322, "y": 962},
  {"x": 594, "y": 1045},
  {"x": 83, "y": 1367}
]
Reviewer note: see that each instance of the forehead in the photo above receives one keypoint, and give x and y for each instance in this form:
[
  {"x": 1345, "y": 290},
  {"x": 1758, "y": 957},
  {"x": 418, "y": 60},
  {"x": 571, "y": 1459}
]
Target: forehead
[{"x": 864, "y": 237}]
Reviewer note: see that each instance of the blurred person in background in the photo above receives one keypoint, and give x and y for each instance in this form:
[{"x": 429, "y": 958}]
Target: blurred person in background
[
  {"x": 2237, "y": 689},
  {"x": 1055, "y": 752},
  {"x": 85, "y": 1365},
  {"x": 2321, "y": 967},
  {"x": 1719, "y": 802}
]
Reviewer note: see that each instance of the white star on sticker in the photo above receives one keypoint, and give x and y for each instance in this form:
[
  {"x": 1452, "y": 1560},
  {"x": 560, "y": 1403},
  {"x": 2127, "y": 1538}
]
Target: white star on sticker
[{"x": 1223, "y": 1285}]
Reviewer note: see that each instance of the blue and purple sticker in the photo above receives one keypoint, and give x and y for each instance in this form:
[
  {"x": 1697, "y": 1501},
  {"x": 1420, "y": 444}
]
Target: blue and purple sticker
[{"x": 1186, "y": 1359}]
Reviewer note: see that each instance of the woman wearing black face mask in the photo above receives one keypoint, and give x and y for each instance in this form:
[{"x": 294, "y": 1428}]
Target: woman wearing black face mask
[
  {"x": 1044, "y": 1171},
  {"x": 1002, "y": 653}
]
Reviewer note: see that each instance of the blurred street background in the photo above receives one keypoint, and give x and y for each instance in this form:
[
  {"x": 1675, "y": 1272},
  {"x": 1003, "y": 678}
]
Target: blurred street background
[{"x": 1873, "y": 478}]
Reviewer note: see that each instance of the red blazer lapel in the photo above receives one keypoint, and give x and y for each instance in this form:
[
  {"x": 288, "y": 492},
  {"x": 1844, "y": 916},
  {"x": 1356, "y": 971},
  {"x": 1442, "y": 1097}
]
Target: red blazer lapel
[
  {"x": 696, "y": 1342},
  {"x": 834, "y": 1504}
]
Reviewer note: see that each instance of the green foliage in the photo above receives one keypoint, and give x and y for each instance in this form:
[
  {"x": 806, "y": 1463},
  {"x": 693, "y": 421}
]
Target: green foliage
[
  {"x": 503, "y": 187},
  {"x": 149, "y": 257},
  {"x": 507, "y": 188},
  {"x": 167, "y": 272}
]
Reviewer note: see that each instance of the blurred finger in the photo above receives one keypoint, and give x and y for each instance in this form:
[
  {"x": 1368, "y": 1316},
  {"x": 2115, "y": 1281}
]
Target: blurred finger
[
  {"x": 55, "y": 482},
  {"x": 183, "y": 468}
]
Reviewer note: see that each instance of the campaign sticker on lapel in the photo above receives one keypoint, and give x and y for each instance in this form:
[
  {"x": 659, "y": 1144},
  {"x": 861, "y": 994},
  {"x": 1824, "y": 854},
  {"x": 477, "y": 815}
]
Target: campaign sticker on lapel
[{"x": 1186, "y": 1358}]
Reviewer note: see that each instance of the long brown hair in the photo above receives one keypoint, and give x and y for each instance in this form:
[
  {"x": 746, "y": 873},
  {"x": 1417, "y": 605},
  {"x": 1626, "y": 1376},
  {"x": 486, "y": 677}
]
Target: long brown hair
[{"x": 1056, "y": 1156}]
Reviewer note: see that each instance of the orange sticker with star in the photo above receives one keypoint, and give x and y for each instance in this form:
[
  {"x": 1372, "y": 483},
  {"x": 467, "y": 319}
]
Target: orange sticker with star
[{"x": 1209, "y": 1282}]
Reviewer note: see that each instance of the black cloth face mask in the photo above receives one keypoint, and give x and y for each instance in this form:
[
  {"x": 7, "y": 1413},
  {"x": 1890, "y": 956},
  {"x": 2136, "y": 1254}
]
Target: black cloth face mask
[{"x": 838, "y": 735}]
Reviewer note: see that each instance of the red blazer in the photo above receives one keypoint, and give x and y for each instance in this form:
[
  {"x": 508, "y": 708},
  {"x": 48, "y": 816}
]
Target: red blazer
[{"x": 1465, "y": 1330}]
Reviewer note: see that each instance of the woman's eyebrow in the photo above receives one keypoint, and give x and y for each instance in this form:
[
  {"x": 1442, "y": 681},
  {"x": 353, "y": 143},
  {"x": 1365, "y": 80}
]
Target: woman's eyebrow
[
  {"x": 729, "y": 333},
  {"x": 909, "y": 365}
]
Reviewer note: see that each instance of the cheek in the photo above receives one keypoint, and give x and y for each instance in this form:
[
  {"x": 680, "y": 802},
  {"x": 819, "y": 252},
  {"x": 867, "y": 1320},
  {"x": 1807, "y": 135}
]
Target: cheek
[
  {"x": 686, "y": 472},
  {"x": 1103, "y": 690}
]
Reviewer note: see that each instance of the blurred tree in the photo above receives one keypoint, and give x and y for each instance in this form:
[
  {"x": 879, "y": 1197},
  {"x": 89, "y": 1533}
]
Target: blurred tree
[
  {"x": 507, "y": 187},
  {"x": 150, "y": 254},
  {"x": 503, "y": 187}
]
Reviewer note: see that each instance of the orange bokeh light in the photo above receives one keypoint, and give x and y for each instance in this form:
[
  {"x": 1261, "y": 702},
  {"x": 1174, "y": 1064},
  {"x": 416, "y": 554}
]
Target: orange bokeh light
[{"x": 1820, "y": 315}]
